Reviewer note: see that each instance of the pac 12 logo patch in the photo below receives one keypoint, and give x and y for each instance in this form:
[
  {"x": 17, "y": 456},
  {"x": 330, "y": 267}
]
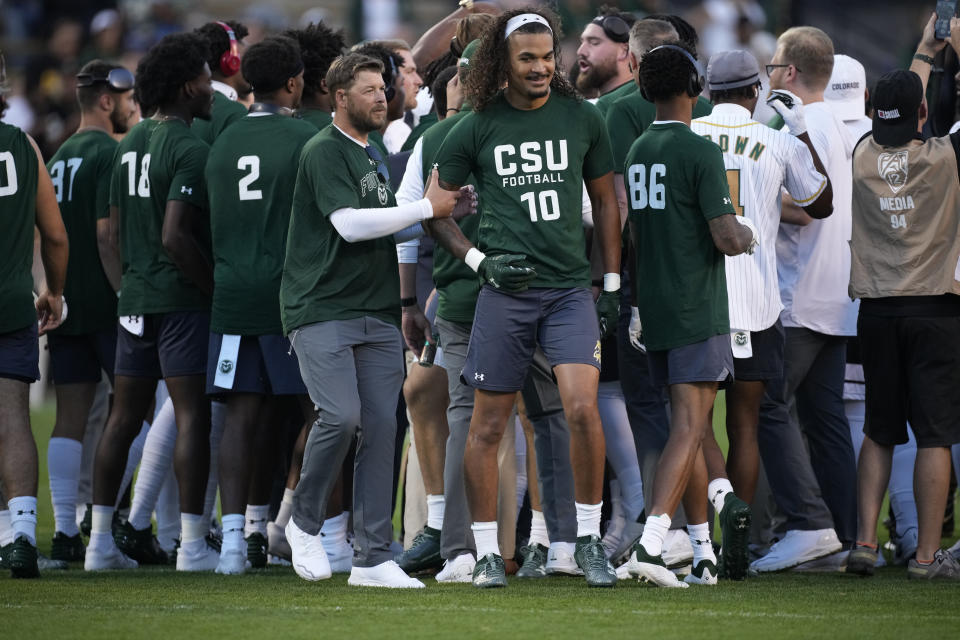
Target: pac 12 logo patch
[{"x": 894, "y": 169}]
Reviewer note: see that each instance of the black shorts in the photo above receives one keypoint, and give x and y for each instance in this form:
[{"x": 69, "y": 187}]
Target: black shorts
[
  {"x": 508, "y": 327},
  {"x": 710, "y": 360},
  {"x": 82, "y": 358},
  {"x": 264, "y": 364},
  {"x": 766, "y": 363},
  {"x": 20, "y": 354},
  {"x": 173, "y": 344},
  {"x": 912, "y": 370}
]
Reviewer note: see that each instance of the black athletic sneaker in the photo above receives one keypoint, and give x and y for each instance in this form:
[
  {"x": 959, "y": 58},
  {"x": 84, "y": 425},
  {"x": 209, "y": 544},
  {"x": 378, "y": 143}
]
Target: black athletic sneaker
[
  {"x": 140, "y": 544},
  {"x": 423, "y": 554},
  {"x": 67, "y": 548},
  {"x": 735, "y": 527},
  {"x": 534, "y": 561},
  {"x": 257, "y": 550},
  {"x": 21, "y": 557},
  {"x": 490, "y": 572},
  {"x": 591, "y": 558},
  {"x": 87, "y": 523}
]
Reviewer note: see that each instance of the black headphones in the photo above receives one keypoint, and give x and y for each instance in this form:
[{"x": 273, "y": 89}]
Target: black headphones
[
  {"x": 695, "y": 82},
  {"x": 389, "y": 76}
]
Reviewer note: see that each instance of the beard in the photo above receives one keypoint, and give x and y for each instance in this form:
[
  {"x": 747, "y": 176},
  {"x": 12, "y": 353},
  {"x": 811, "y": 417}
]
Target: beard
[
  {"x": 121, "y": 123},
  {"x": 367, "y": 121},
  {"x": 596, "y": 76}
]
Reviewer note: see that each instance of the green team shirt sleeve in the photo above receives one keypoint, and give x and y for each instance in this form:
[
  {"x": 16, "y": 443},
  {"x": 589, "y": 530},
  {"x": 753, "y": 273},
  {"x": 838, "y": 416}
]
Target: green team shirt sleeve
[
  {"x": 713, "y": 190},
  {"x": 598, "y": 160},
  {"x": 332, "y": 189},
  {"x": 105, "y": 187},
  {"x": 188, "y": 183},
  {"x": 455, "y": 156},
  {"x": 622, "y": 131}
]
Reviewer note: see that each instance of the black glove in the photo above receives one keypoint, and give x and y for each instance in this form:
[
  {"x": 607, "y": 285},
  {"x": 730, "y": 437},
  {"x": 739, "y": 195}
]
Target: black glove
[
  {"x": 507, "y": 272},
  {"x": 608, "y": 312}
]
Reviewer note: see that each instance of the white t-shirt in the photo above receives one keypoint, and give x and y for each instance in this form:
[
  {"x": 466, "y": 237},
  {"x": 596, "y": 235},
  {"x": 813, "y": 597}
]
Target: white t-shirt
[
  {"x": 759, "y": 162},
  {"x": 814, "y": 261},
  {"x": 395, "y": 135}
]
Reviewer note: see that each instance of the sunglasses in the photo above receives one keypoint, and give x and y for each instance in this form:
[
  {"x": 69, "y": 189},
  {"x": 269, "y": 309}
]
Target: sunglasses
[
  {"x": 771, "y": 67},
  {"x": 615, "y": 27},
  {"x": 382, "y": 172},
  {"x": 119, "y": 79}
]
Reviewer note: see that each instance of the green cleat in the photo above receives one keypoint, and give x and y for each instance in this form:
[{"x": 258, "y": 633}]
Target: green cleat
[
  {"x": 423, "y": 554},
  {"x": 21, "y": 557},
  {"x": 67, "y": 548},
  {"x": 140, "y": 544},
  {"x": 257, "y": 550},
  {"x": 87, "y": 523},
  {"x": 652, "y": 569},
  {"x": 862, "y": 561},
  {"x": 5, "y": 556},
  {"x": 703, "y": 572},
  {"x": 490, "y": 572},
  {"x": 591, "y": 558},
  {"x": 534, "y": 561},
  {"x": 735, "y": 527}
]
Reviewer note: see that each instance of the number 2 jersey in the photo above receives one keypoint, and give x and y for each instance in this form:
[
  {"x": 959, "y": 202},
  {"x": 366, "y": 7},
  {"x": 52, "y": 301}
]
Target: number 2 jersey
[
  {"x": 251, "y": 173},
  {"x": 80, "y": 171},
  {"x": 760, "y": 162},
  {"x": 530, "y": 166}
]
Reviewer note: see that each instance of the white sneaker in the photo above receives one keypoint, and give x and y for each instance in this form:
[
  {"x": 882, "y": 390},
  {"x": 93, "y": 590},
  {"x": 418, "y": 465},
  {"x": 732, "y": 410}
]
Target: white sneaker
[
  {"x": 200, "y": 557},
  {"x": 277, "y": 544},
  {"x": 705, "y": 573},
  {"x": 797, "y": 547},
  {"x": 98, "y": 559},
  {"x": 233, "y": 562},
  {"x": 560, "y": 561},
  {"x": 277, "y": 561},
  {"x": 623, "y": 571},
  {"x": 459, "y": 570},
  {"x": 654, "y": 573},
  {"x": 307, "y": 554},
  {"x": 339, "y": 555},
  {"x": 677, "y": 550},
  {"x": 386, "y": 574},
  {"x": 829, "y": 563}
]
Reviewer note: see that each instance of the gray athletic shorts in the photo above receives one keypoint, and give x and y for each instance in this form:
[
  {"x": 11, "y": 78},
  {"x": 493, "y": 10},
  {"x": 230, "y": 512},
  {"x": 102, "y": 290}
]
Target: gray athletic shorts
[
  {"x": 508, "y": 327},
  {"x": 708, "y": 361}
]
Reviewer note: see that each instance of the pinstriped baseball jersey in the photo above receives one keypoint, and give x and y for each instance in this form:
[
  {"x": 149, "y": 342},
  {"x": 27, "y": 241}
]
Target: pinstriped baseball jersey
[{"x": 759, "y": 162}]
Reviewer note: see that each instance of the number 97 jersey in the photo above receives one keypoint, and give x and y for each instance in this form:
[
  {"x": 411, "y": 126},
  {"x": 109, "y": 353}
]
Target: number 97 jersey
[
  {"x": 530, "y": 166},
  {"x": 250, "y": 175}
]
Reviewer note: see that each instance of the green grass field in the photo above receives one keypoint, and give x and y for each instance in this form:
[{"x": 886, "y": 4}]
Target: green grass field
[{"x": 274, "y": 602}]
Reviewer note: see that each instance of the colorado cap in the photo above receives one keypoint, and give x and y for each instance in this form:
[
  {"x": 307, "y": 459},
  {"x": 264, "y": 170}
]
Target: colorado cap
[
  {"x": 732, "y": 69},
  {"x": 846, "y": 89},
  {"x": 896, "y": 101}
]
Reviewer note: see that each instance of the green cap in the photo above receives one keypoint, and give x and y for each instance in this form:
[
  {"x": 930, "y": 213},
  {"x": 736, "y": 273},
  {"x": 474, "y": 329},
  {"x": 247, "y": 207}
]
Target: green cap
[{"x": 468, "y": 51}]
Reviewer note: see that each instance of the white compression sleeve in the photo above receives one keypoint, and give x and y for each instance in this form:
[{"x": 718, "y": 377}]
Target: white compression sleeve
[{"x": 356, "y": 225}]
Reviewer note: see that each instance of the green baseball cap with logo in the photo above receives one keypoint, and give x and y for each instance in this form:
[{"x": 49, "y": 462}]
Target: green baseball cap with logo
[{"x": 468, "y": 51}]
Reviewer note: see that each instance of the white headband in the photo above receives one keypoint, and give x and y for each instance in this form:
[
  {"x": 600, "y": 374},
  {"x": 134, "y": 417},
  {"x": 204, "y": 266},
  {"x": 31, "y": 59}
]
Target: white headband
[{"x": 516, "y": 22}]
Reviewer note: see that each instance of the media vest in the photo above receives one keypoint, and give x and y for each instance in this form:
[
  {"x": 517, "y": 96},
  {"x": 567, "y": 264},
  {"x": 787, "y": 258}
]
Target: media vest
[{"x": 906, "y": 226}]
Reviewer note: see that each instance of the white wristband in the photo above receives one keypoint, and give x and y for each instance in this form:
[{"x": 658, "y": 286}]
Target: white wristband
[
  {"x": 611, "y": 282},
  {"x": 474, "y": 257}
]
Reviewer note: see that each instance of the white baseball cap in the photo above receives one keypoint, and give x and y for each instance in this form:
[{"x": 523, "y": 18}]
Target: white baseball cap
[{"x": 845, "y": 91}]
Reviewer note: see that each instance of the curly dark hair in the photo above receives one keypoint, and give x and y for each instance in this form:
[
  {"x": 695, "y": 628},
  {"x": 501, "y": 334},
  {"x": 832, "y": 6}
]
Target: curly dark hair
[
  {"x": 686, "y": 32},
  {"x": 468, "y": 29},
  {"x": 665, "y": 72},
  {"x": 168, "y": 65},
  {"x": 319, "y": 46},
  {"x": 490, "y": 64},
  {"x": 268, "y": 64},
  {"x": 379, "y": 52},
  {"x": 218, "y": 42}
]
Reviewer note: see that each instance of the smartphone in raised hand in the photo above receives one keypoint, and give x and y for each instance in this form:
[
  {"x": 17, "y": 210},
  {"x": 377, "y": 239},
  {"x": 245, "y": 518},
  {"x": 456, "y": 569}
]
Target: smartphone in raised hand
[{"x": 946, "y": 9}]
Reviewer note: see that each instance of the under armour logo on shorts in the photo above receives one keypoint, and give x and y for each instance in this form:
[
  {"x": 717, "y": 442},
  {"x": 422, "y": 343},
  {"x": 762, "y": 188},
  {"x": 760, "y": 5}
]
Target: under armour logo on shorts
[
  {"x": 187, "y": 190},
  {"x": 478, "y": 376}
]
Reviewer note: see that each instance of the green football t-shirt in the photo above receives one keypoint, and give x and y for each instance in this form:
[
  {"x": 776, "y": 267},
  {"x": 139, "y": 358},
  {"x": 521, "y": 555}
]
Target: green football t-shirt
[
  {"x": 80, "y": 171},
  {"x": 173, "y": 161},
  {"x": 324, "y": 276},
  {"x": 317, "y": 117},
  {"x": 676, "y": 183},
  {"x": 426, "y": 121},
  {"x": 19, "y": 171},
  {"x": 629, "y": 117},
  {"x": 606, "y": 101},
  {"x": 223, "y": 113},
  {"x": 529, "y": 167},
  {"x": 250, "y": 176}
]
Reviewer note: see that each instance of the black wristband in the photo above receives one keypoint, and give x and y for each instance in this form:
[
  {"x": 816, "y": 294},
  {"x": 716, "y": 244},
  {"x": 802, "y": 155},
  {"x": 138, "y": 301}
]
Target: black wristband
[
  {"x": 408, "y": 302},
  {"x": 452, "y": 109},
  {"x": 923, "y": 58}
]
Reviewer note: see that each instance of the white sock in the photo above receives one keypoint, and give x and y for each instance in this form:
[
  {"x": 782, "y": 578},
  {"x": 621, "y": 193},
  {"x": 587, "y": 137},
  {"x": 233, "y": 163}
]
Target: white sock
[
  {"x": 167, "y": 512},
  {"x": 134, "y": 455},
  {"x": 6, "y": 531},
  {"x": 588, "y": 519},
  {"x": 286, "y": 508},
  {"x": 233, "y": 530},
  {"x": 256, "y": 519},
  {"x": 81, "y": 512},
  {"x": 538, "y": 529},
  {"x": 218, "y": 418},
  {"x": 435, "y": 505},
  {"x": 101, "y": 520},
  {"x": 717, "y": 491},
  {"x": 193, "y": 529},
  {"x": 155, "y": 463},
  {"x": 63, "y": 467},
  {"x": 701, "y": 543},
  {"x": 485, "y": 535},
  {"x": 23, "y": 518},
  {"x": 568, "y": 547},
  {"x": 654, "y": 531},
  {"x": 334, "y": 530}
]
